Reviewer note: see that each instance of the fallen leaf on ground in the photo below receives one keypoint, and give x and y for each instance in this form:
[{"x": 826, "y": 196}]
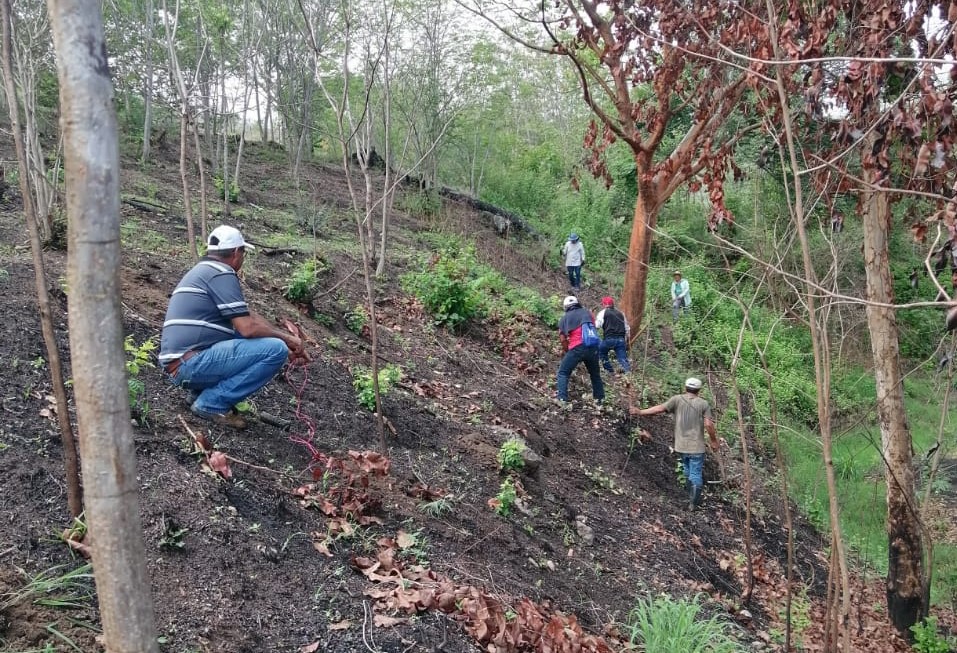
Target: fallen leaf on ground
[
  {"x": 384, "y": 621},
  {"x": 219, "y": 463}
]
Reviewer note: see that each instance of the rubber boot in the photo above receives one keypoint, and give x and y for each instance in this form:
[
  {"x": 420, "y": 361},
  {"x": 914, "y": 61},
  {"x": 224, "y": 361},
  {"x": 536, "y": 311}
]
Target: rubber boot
[{"x": 694, "y": 497}]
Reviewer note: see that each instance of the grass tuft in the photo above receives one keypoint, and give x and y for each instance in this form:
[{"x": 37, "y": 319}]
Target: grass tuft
[{"x": 664, "y": 625}]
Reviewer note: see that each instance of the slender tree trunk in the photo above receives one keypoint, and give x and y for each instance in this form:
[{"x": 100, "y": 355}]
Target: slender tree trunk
[
  {"x": 838, "y": 611},
  {"x": 89, "y": 126},
  {"x": 184, "y": 177},
  {"x": 71, "y": 466},
  {"x": 26, "y": 76},
  {"x": 148, "y": 84},
  {"x": 201, "y": 166},
  {"x": 387, "y": 190},
  {"x": 905, "y": 574},
  {"x": 184, "y": 125}
]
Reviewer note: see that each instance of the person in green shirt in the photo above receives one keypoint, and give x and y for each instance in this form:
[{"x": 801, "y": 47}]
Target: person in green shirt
[{"x": 692, "y": 418}]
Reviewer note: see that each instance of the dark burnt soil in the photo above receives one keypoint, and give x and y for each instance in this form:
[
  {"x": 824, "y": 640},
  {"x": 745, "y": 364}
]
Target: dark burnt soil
[{"x": 233, "y": 563}]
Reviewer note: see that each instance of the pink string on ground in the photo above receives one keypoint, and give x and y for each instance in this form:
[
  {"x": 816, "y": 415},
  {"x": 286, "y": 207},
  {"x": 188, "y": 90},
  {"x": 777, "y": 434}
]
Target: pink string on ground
[{"x": 308, "y": 438}]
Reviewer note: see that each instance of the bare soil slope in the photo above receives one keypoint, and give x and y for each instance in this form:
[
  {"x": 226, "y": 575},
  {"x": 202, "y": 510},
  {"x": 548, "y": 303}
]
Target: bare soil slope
[{"x": 284, "y": 558}]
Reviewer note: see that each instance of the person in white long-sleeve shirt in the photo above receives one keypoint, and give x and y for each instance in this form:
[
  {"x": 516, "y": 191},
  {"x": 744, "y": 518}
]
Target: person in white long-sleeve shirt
[
  {"x": 680, "y": 296},
  {"x": 574, "y": 252}
]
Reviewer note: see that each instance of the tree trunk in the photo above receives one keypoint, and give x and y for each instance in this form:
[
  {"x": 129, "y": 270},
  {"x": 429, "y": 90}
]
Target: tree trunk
[
  {"x": 184, "y": 177},
  {"x": 203, "y": 209},
  {"x": 88, "y": 122},
  {"x": 148, "y": 84},
  {"x": 71, "y": 463},
  {"x": 905, "y": 602},
  {"x": 639, "y": 253}
]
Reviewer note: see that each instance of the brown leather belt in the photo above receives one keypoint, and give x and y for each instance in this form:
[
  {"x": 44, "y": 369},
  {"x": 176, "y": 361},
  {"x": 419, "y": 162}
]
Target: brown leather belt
[{"x": 173, "y": 367}]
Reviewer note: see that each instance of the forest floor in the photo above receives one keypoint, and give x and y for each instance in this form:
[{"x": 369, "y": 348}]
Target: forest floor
[{"x": 398, "y": 552}]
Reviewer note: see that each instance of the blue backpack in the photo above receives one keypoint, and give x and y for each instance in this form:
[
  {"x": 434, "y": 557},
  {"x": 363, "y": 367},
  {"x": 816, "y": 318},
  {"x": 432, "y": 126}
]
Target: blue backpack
[{"x": 590, "y": 336}]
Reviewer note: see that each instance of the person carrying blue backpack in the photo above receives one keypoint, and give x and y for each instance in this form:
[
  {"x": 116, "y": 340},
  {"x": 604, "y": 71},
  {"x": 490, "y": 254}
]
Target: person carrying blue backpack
[{"x": 579, "y": 339}]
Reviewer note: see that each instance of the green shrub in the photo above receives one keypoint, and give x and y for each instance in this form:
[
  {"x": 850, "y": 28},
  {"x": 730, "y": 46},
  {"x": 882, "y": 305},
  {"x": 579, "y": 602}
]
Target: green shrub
[
  {"x": 304, "y": 282},
  {"x": 457, "y": 288},
  {"x": 505, "y": 500},
  {"x": 221, "y": 188},
  {"x": 421, "y": 203},
  {"x": 138, "y": 357},
  {"x": 447, "y": 288},
  {"x": 926, "y": 638},
  {"x": 362, "y": 381},
  {"x": 664, "y": 625},
  {"x": 510, "y": 455},
  {"x": 357, "y": 319}
]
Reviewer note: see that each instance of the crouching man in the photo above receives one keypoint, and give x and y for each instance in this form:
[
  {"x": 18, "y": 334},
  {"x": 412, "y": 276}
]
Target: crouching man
[{"x": 212, "y": 343}]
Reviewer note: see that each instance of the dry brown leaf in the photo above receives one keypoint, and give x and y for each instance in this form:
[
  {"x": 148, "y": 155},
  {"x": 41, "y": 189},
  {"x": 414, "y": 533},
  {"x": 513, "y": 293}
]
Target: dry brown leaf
[
  {"x": 345, "y": 624},
  {"x": 83, "y": 549},
  {"x": 385, "y": 621},
  {"x": 220, "y": 464},
  {"x": 404, "y": 540},
  {"x": 310, "y": 648}
]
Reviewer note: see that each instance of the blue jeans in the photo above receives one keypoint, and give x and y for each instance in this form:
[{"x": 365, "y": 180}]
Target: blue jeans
[
  {"x": 620, "y": 348},
  {"x": 693, "y": 463},
  {"x": 588, "y": 355},
  {"x": 230, "y": 371},
  {"x": 575, "y": 276},
  {"x": 678, "y": 306}
]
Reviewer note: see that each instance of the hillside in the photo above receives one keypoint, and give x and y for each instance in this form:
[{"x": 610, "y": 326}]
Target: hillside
[{"x": 271, "y": 561}]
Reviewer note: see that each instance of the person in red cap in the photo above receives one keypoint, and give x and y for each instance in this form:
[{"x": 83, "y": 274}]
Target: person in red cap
[{"x": 616, "y": 335}]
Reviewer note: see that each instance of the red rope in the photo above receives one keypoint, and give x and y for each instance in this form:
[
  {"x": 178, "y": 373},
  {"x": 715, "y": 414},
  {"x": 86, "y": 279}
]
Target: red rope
[{"x": 307, "y": 438}]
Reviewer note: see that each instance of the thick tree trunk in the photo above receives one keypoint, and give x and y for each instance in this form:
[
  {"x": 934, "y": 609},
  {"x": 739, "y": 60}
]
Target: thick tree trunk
[
  {"x": 91, "y": 149},
  {"x": 905, "y": 603},
  {"x": 639, "y": 254}
]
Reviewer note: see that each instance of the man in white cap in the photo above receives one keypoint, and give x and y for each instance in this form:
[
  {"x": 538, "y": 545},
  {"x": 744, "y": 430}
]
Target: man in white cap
[
  {"x": 212, "y": 342},
  {"x": 692, "y": 418}
]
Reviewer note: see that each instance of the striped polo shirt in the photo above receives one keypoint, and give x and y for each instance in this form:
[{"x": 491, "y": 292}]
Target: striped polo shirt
[{"x": 201, "y": 310}]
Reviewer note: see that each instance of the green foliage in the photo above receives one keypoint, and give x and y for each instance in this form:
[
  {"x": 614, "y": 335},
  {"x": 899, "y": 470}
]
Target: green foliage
[
  {"x": 138, "y": 357},
  {"x": 926, "y": 638},
  {"x": 800, "y": 619},
  {"x": 357, "y": 319},
  {"x": 362, "y": 382},
  {"x": 456, "y": 288},
  {"x": 664, "y": 625},
  {"x": 421, "y": 203},
  {"x": 786, "y": 348},
  {"x": 134, "y": 235},
  {"x": 437, "y": 508},
  {"x": 173, "y": 535},
  {"x": 57, "y": 587},
  {"x": 304, "y": 281},
  {"x": 505, "y": 500},
  {"x": 510, "y": 455},
  {"x": 233, "y": 195},
  {"x": 447, "y": 287}
]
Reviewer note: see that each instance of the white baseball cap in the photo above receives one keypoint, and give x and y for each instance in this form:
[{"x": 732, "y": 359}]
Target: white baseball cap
[
  {"x": 569, "y": 301},
  {"x": 225, "y": 237},
  {"x": 693, "y": 384}
]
